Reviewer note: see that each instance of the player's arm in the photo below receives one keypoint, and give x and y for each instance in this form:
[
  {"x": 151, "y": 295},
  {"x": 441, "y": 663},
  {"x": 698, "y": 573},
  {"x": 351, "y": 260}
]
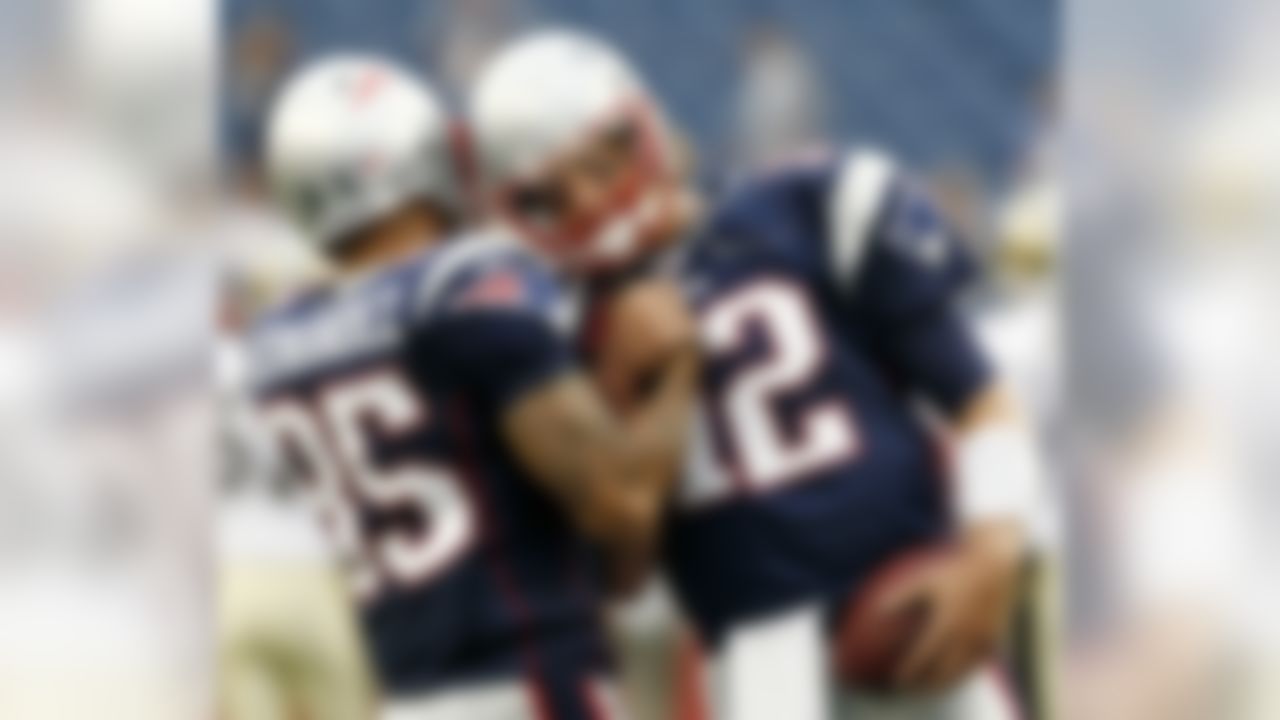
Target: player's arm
[
  {"x": 499, "y": 334},
  {"x": 972, "y": 596},
  {"x": 612, "y": 473},
  {"x": 905, "y": 266},
  {"x": 997, "y": 480}
]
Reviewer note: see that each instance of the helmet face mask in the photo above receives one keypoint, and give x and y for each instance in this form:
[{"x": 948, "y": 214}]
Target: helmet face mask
[
  {"x": 589, "y": 207},
  {"x": 574, "y": 153}
]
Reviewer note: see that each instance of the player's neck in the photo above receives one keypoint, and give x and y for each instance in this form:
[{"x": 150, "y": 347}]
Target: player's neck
[
  {"x": 394, "y": 239},
  {"x": 687, "y": 214}
]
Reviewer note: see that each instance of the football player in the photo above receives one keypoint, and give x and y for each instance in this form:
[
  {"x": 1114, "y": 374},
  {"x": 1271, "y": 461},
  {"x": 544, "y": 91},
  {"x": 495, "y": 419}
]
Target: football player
[
  {"x": 287, "y": 638},
  {"x": 835, "y": 356},
  {"x": 466, "y": 467}
]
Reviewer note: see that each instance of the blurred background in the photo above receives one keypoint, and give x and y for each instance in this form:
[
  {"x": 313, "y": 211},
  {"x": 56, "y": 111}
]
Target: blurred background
[
  {"x": 1117, "y": 165},
  {"x": 961, "y": 90}
]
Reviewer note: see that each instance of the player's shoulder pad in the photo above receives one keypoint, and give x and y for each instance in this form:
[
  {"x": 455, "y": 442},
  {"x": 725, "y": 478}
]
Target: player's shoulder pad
[
  {"x": 861, "y": 185},
  {"x": 483, "y": 270}
]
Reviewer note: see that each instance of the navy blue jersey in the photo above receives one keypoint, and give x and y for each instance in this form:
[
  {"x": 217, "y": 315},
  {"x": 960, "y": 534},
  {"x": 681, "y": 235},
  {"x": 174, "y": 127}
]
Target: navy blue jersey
[
  {"x": 386, "y": 393},
  {"x": 825, "y": 298}
]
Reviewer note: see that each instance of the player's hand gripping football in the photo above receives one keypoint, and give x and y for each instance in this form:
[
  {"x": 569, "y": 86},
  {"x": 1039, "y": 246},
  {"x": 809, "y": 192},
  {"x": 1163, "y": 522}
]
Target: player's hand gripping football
[
  {"x": 969, "y": 597},
  {"x": 647, "y": 327}
]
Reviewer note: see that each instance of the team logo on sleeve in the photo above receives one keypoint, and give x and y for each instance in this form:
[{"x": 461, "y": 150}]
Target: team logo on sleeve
[
  {"x": 917, "y": 229},
  {"x": 497, "y": 289}
]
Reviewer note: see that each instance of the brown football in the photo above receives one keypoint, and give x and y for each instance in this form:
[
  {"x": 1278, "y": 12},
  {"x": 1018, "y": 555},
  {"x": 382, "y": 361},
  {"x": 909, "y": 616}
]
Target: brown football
[{"x": 869, "y": 645}]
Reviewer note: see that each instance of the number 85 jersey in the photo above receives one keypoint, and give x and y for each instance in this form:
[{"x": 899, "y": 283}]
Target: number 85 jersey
[
  {"x": 825, "y": 298},
  {"x": 386, "y": 394}
]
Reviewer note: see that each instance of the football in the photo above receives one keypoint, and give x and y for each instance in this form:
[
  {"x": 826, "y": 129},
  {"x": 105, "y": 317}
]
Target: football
[{"x": 868, "y": 644}]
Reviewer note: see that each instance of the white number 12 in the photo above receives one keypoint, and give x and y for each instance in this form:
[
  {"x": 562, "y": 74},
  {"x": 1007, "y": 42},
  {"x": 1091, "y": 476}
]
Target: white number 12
[
  {"x": 334, "y": 438},
  {"x": 765, "y": 455}
]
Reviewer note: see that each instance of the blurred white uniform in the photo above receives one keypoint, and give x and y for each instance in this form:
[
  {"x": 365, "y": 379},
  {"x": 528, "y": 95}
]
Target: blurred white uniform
[
  {"x": 261, "y": 518},
  {"x": 102, "y": 562},
  {"x": 287, "y": 628}
]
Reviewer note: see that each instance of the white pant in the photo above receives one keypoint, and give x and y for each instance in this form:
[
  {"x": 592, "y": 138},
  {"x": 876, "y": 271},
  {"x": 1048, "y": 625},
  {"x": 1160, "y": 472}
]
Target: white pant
[
  {"x": 778, "y": 668},
  {"x": 500, "y": 700},
  {"x": 289, "y": 640}
]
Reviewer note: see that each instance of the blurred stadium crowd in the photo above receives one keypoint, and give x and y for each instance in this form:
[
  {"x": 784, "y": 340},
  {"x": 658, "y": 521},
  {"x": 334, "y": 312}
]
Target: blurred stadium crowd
[{"x": 963, "y": 89}]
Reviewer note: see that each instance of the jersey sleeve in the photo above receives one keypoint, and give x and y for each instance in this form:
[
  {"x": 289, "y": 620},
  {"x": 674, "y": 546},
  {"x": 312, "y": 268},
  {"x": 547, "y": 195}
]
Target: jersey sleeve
[
  {"x": 496, "y": 327},
  {"x": 900, "y": 268},
  {"x": 892, "y": 253}
]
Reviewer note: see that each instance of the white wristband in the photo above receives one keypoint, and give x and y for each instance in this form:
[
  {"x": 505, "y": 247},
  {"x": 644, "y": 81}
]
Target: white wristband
[{"x": 998, "y": 474}]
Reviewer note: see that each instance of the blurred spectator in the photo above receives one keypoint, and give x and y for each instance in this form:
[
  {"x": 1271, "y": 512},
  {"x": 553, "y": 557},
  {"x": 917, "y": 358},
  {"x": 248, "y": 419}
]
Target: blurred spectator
[
  {"x": 288, "y": 641},
  {"x": 779, "y": 106},
  {"x": 458, "y": 36},
  {"x": 260, "y": 52}
]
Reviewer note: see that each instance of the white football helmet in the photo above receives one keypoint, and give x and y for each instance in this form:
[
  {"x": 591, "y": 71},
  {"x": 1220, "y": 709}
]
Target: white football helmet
[
  {"x": 355, "y": 137},
  {"x": 542, "y": 97}
]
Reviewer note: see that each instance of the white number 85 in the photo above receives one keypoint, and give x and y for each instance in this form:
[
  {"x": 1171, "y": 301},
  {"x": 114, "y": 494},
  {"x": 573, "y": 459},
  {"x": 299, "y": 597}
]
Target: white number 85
[{"x": 333, "y": 438}]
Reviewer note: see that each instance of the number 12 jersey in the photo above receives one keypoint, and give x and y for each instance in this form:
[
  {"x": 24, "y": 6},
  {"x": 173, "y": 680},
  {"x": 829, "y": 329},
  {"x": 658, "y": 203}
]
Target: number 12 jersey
[{"x": 825, "y": 298}]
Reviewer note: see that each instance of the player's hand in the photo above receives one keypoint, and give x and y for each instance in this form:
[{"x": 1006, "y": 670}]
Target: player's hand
[
  {"x": 969, "y": 598},
  {"x": 648, "y": 325}
]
